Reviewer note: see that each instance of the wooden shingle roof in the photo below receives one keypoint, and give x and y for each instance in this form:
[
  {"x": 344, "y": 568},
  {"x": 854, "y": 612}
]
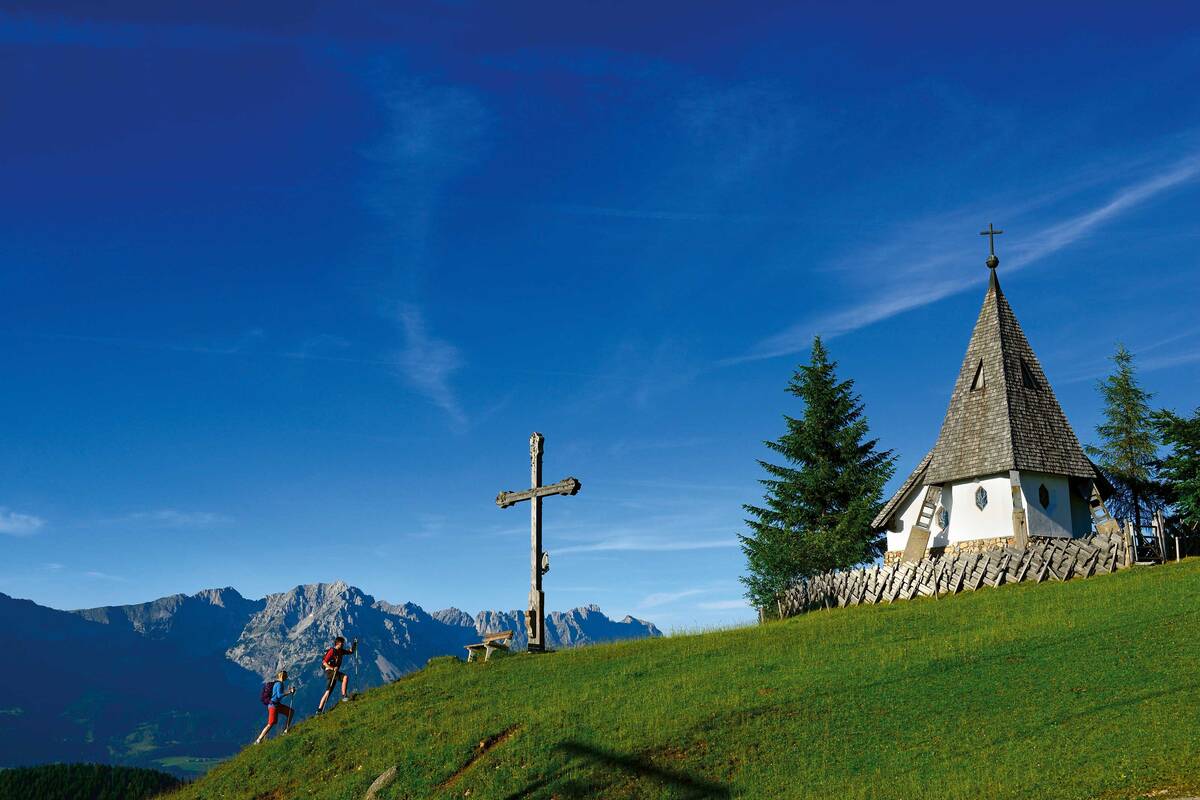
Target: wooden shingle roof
[{"x": 1003, "y": 415}]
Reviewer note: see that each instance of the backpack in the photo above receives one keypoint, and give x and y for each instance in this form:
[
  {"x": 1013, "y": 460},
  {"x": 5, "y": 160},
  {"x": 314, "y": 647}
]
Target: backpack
[{"x": 265, "y": 694}]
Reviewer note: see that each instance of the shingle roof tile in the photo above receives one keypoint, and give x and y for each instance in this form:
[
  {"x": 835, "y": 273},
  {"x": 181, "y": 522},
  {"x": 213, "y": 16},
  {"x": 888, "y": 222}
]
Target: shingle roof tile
[{"x": 1010, "y": 419}]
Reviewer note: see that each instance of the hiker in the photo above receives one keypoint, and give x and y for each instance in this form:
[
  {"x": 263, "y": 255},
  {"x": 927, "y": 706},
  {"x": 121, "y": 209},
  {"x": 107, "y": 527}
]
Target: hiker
[
  {"x": 332, "y": 663},
  {"x": 272, "y": 696}
]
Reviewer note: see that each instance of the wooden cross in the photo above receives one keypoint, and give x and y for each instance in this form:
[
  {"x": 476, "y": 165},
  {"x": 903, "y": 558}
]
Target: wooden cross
[
  {"x": 991, "y": 233},
  {"x": 535, "y": 617}
]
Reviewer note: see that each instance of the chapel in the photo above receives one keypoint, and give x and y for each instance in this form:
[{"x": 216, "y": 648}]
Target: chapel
[{"x": 1006, "y": 466}]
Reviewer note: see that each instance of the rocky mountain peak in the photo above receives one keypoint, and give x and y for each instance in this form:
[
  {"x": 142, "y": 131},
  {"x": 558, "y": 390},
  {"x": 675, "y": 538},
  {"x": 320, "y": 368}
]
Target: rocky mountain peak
[
  {"x": 224, "y": 597},
  {"x": 454, "y": 616},
  {"x": 408, "y": 611}
]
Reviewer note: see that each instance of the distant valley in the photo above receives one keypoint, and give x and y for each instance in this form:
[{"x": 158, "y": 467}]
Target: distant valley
[{"x": 173, "y": 683}]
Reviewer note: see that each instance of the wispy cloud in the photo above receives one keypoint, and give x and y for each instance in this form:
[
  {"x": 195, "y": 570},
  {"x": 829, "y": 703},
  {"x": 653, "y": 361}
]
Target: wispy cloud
[
  {"x": 627, "y": 446},
  {"x": 653, "y": 215},
  {"x": 640, "y": 373},
  {"x": 1055, "y": 237},
  {"x": 644, "y": 544},
  {"x": 428, "y": 363},
  {"x": 428, "y": 526},
  {"x": 742, "y": 130},
  {"x": 173, "y": 518},
  {"x": 432, "y": 134},
  {"x": 1168, "y": 361},
  {"x": 1098, "y": 368},
  {"x": 724, "y": 605},
  {"x": 665, "y": 598},
  {"x": 935, "y": 270},
  {"x": 102, "y": 576},
  {"x": 16, "y": 524}
]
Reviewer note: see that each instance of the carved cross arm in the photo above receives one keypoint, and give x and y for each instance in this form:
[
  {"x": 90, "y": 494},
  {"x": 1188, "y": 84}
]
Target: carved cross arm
[{"x": 567, "y": 486}]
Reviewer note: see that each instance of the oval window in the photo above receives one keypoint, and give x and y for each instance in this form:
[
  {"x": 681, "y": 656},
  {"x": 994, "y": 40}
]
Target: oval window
[
  {"x": 1044, "y": 496},
  {"x": 943, "y": 518},
  {"x": 981, "y": 498}
]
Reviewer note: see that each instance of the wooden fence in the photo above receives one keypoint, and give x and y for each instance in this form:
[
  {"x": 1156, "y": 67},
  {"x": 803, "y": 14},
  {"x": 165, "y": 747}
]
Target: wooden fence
[{"x": 1041, "y": 560}]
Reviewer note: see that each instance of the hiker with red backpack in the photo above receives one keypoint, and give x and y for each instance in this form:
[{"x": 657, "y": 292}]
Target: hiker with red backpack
[
  {"x": 272, "y": 697},
  {"x": 332, "y": 664}
]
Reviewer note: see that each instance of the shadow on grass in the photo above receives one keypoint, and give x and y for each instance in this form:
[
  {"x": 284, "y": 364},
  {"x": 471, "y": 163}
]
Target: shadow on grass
[{"x": 636, "y": 767}]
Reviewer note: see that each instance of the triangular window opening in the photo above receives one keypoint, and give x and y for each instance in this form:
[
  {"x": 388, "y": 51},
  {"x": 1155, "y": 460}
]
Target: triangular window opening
[
  {"x": 1027, "y": 378},
  {"x": 979, "y": 381}
]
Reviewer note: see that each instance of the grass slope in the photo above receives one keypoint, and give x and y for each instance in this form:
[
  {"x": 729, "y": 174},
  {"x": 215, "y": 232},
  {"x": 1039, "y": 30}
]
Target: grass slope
[{"x": 1077, "y": 690}]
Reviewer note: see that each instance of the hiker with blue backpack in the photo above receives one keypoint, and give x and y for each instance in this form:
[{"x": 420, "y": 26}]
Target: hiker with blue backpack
[{"x": 272, "y": 697}]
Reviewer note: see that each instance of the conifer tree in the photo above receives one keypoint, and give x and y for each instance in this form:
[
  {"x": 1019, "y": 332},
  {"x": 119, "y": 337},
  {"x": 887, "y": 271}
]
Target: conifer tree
[
  {"x": 818, "y": 505},
  {"x": 1129, "y": 442},
  {"x": 1180, "y": 470}
]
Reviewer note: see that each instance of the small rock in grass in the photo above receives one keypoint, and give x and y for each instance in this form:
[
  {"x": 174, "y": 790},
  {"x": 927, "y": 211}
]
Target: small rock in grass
[{"x": 382, "y": 781}]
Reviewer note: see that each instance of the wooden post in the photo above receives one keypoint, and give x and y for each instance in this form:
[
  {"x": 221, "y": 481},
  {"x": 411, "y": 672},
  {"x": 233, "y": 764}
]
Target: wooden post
[
  {"x": 1020, "y": 527},
  {"x": 537, "y": 598},
  {"x": 1160, "y": 531},
  {"x": 1177, "y": 548}
]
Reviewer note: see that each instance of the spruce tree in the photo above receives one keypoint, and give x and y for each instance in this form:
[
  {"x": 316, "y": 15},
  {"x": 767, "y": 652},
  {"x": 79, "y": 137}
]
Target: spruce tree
[
  {"x": 1129, "y": 442},
  {"x": 818, "y": 505},
  {"x": 1180, "y": 470}
]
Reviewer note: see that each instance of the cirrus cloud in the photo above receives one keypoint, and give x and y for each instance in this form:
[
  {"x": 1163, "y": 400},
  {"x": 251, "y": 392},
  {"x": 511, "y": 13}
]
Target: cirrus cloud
[{"x": 16, "y": 524}]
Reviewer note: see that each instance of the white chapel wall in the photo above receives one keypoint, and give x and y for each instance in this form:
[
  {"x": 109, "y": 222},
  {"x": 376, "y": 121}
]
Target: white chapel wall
[
  {"x": 907, "y": 515},
  {"x": 1067, "y": 514},
  {"x": 968, "y": 521},
  {"x": 1054, "y": 519}
]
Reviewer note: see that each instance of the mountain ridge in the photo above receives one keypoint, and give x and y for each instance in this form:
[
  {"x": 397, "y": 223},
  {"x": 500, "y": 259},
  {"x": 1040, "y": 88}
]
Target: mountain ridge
[{"x": 129, "y": 708}]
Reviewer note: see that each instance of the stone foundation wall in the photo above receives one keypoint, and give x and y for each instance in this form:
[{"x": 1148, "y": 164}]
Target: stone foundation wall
[{"x": 892, "y": 557}]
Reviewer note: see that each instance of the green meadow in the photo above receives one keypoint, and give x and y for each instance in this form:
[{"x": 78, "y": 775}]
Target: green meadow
[{"x": 1086, "y": 689}]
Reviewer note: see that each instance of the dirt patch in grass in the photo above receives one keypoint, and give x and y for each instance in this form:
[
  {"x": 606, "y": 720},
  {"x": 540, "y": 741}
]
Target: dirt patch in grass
[{"x": 485, "y": 747}]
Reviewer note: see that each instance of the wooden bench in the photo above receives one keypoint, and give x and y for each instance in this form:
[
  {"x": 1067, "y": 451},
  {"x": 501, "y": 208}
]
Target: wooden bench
[{"x": 491, "y": 641}]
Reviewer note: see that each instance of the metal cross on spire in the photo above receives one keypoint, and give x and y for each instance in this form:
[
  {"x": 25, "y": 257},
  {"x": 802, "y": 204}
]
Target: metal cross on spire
[
  {"x": 535, "y": 617},
  {"x": 991, "y": 233}
]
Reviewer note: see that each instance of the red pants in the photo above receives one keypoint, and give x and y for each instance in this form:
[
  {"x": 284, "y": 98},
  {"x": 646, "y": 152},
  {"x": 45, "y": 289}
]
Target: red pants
[{"x": 274, "y": 710}]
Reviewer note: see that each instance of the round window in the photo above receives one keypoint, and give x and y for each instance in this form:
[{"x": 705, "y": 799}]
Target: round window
[{"x": 943, "y": 518}]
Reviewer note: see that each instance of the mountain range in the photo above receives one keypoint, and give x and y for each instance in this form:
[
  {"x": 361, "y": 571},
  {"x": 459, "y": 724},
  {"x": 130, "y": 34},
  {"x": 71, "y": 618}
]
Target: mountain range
[{"x": 173, "y": 683}]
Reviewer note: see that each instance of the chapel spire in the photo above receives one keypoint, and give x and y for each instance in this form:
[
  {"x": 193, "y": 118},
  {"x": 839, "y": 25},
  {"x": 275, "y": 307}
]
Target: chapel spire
[
  {"x": 1003, "y": 415},
  {"x": 993, "y": 260}
]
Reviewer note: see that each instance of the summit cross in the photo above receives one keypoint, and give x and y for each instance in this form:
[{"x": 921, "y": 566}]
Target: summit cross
[{"x": 535, "y": 617}]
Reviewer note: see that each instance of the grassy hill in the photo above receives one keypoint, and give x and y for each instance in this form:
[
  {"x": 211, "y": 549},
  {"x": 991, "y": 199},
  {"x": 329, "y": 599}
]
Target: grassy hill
[{"x": 1078, "y": 690}]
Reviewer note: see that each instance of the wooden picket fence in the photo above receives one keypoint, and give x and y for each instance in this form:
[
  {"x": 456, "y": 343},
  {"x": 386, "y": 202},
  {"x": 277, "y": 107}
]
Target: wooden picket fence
[{"x": 1041, "y": 560}]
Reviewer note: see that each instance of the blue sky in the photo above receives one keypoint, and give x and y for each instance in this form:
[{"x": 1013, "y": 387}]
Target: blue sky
[{"x": 286, "y": 287}]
